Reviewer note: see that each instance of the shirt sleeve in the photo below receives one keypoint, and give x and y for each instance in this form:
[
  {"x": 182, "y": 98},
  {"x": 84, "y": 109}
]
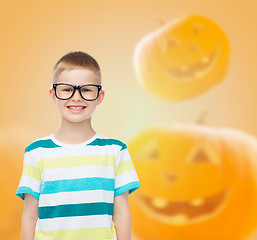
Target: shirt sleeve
[
  {"x": 30, "y": 181},
  {"x": 126, "y": 178}
]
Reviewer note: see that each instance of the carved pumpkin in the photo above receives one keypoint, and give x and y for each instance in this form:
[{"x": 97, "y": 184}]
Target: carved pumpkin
[
  {"x": 182, "y": 59},
  {"x": 197, "y": 183}
]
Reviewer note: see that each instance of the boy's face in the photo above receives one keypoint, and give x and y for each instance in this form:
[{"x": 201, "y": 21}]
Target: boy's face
[{"x": 77, "y": 77}]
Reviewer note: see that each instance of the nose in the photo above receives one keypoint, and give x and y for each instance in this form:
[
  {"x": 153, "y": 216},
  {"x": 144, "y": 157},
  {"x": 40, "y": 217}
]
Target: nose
[
  {"x": 169, "y": 176},
  {"x": 193, "y": 47}
]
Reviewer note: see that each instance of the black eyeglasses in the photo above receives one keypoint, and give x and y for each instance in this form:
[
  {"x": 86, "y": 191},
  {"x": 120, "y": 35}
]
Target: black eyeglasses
[{"x": 65, "y": 91}]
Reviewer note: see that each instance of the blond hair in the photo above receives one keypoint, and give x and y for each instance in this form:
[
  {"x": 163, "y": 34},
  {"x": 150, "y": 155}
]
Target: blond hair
[{"x": 75, "y": 60}]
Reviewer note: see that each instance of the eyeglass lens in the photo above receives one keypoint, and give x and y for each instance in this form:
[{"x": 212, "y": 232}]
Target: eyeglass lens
[{"x": 65, "y": 91}]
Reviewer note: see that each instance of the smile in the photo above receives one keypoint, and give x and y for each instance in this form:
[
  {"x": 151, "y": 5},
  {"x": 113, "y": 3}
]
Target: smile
[
  {"x": 196, "y": 70},
  {"x": 76, "y": 109},
  {"x": 182, "y": 212}
]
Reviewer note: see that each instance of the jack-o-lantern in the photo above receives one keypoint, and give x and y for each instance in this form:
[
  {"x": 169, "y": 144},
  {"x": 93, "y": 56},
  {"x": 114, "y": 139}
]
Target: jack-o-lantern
[
  {"x": 182, "y": 59},
  {"x": 197, "y": 183}
]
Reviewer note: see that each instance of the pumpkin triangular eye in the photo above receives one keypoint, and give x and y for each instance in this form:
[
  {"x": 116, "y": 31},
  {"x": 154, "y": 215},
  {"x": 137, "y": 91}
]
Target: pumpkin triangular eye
[
  {"x": 201, "y": 156},
  {"x": 169, "y": 43},
  {"x": 203, "y": 153},
  {"x": 198, "y": 28},
  {"x": 148, "y": 150},
  {"x": 172, "y": 42}
]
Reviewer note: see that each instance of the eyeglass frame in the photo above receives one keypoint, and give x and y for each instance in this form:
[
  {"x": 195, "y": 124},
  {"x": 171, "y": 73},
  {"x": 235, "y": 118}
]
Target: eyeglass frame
[{"x": 75, "y": 88}]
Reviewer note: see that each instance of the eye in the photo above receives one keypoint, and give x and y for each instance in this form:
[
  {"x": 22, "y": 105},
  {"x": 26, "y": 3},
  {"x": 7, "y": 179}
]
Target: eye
[
  {"x": 203, "y": 153},
  {"x": 67, "y": 90},
  {"x": 148, "y": 150},
  {"x": 85, "y": 90},
  {"x": 201, "y": 157},
  {"x": 198, "y": 28},
  {"x": 172, "y": 42},
  {"x": 88, "y": 89},
  {"x": 168, "y": 43}
]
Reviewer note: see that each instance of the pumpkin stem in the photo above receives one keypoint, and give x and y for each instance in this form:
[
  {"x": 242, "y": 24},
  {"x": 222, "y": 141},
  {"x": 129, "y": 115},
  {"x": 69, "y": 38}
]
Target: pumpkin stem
[{"x": 201, "y": 119}]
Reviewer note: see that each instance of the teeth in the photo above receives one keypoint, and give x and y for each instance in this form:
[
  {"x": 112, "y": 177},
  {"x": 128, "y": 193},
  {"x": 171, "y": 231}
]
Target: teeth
[
  {"x": 160, "y": 203},
  {"x": 180, "y": 219},
  {"x": 205, "y": 60},
  {"x": 197, "y": 202},
  {"x": 76, "y": 107}
]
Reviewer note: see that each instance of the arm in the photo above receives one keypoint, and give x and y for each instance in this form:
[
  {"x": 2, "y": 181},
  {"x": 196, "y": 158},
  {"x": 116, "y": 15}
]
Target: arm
[
  {"x": 121, "y": 217},
  {"x": 29, "y": 217}
]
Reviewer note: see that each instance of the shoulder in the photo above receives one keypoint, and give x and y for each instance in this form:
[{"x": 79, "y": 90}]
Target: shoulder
[
  {"x": 42, "y": 142},
  {"x": 105, "y": 140}
]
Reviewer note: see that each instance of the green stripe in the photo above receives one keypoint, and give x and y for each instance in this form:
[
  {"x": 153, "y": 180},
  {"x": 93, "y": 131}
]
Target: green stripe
[
  {"x": 48, "y": 143},
  {"x": 78, "y": 234},
  {"x": 124, "y": 166},
  {"x": 131, "y": 187},
  {"x": 31, "y": 171},
  {"x": 71, "y": 210},
  {"x": 109, "y": 141},
  {"x": 76, "y": 161},
  {"x": 79, "y": 184},
  {"x": 21, "y": 190}
]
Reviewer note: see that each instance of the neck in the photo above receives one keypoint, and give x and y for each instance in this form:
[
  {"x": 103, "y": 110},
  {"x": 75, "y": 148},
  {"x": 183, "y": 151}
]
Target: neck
[{"x": 72, "y": 132}]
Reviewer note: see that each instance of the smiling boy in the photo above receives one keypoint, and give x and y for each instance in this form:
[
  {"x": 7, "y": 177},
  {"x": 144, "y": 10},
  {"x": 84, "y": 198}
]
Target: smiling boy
[{"x": 75, "y": 182}]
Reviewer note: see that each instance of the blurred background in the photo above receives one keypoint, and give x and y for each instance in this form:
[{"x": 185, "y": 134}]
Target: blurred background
[{"x": 35, "y": 34}]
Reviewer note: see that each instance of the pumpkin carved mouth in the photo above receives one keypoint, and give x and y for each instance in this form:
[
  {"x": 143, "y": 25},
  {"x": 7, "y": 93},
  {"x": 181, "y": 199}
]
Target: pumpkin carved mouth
[
  {"x": 196, "y": 70},
  {"x": 183, "y": 212}
]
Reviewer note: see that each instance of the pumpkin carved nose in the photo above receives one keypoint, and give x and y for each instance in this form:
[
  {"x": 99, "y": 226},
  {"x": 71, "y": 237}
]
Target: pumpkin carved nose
[
  {"x": 169, "y": 176},
  {"x": 193, "y": 47}
]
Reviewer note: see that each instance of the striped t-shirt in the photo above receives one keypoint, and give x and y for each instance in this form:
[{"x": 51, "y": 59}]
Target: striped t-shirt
[{"x": 76, "y": 185}]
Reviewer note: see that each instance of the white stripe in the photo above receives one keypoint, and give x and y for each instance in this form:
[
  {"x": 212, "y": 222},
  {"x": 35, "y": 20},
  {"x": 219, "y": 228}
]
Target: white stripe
[
  {"x": 75, "y": 197},
  {"x": 78, "y": 172},
  {"x": 126, "y": 178},
  {"x": 66, "y": 152},
  {"x": 35, "y": 154},
  {"x": 29, "y": 160},
  {"x": 27, "y": 181},
  {"x": 122, "y": 156},
  {"x": 74, "y": 222}
]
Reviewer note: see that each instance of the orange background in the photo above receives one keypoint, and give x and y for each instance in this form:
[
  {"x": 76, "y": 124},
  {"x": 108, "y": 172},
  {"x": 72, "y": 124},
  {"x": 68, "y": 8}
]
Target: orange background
[{"x": 35, "y": 34}]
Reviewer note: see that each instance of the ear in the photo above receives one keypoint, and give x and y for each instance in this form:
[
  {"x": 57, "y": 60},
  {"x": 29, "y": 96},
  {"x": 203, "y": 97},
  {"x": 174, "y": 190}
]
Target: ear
[
  {"x": 100, "y": 97},
  {"x": 52, "y": 95}
]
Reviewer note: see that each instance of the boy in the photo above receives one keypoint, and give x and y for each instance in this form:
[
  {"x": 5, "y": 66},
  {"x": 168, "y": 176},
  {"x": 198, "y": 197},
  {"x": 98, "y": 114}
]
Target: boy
[{"x": 75, "y": 182}]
